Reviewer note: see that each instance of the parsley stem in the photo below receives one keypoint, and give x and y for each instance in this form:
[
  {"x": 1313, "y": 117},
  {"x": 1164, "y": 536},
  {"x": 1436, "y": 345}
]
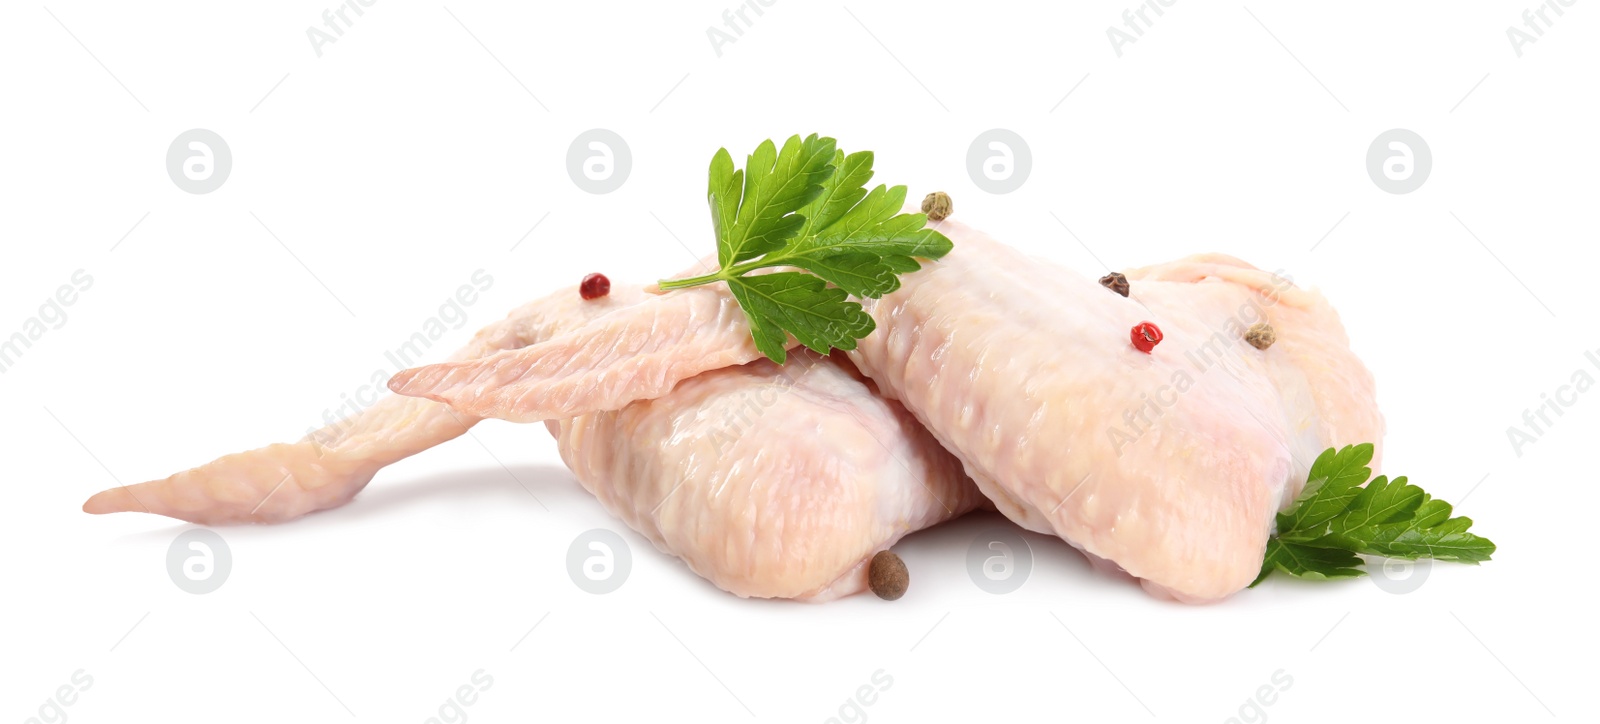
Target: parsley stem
[
  {"x": 717, "y": 276},
  {"x": 670, "y": 284}
]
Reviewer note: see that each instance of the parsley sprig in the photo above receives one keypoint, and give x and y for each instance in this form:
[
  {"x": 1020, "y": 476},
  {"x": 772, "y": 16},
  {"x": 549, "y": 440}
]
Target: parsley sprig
[
  {"x": 1336, "y": 520},
  {"x": 806, "y": 206}
]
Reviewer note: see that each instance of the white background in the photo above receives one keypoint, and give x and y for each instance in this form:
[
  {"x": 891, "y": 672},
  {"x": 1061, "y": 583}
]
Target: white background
[{"x": 427, "y": 142}]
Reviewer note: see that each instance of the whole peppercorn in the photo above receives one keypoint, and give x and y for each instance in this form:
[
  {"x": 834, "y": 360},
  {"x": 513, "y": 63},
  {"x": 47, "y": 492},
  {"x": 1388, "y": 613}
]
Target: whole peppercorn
[
  {"x": 1115, "y": 282},
  {"x": 1146, "y": 336},
  {"x": 887, "y": 576},
  {"x": 594, "y": 286},
  {"x": 1261, "y": 335},
  {"x": 937, "y": 206}
]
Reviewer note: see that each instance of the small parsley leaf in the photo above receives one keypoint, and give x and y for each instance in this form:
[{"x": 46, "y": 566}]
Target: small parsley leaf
[
  {"x": 1336, "y": 520},
  {"x": 805, "y": 207},
  {"x": 819, "y": 317},
  {"x": 777, "y": 183},
  {"x": 1382, "y": 501},
  {"x": 1304, "y": 561},
  {"x": 1334, "y": 483},
  {"x": 842, "y": 191}
]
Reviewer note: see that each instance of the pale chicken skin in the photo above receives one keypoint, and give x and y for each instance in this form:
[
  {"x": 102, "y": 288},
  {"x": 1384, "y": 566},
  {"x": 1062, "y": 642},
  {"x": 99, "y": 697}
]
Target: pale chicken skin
[
  {"x": 774, "y": 482},
  {"x": 640, "y": 355},
  {"x": 1171, "y": 465},
  {"x": 328, "y": 467},
  {"x": 769, "y": 481}
]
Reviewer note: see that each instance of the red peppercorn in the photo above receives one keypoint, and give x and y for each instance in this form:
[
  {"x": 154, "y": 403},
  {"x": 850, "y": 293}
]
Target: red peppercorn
[
  {"x": 1146, "y": 336},
  {"x": 594, "y": 286}
]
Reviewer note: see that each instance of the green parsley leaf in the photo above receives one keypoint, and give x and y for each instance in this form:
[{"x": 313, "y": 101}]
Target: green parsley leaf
[
  {"x": 1334, "y": 483},
  {"x": 806, "y": 207},
  {"x": 1382, "y": 501},
  {"x": 1304, "y": 561},
  {"x": 843, "y": 190},
  {"x": 818, "y": 316},
  {"x": 1336, "y": 520},
  {"x": 867, "y": 248},
  {"x": 776, "y": 185}
]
